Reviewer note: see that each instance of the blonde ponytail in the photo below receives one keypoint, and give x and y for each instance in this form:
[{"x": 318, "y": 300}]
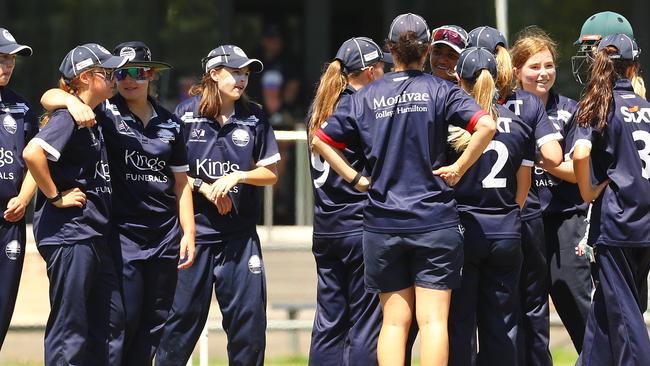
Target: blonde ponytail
[
  {"x": 505, "y": 74},
  {"x": 331, "y": 84}
]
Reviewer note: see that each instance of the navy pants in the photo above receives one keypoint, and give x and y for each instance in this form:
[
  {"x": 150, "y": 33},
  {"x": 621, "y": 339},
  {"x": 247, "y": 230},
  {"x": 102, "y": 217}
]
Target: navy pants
[
  {"x": 533, "y": 287},
  {"x": 12, "y": 239},
  {"x": 235, "y": 269},
  {"x": 148, "y": 281},
  {"x": 86, "y": 321},
  {"x": 570, "y": 275},
  {"x": 348, "y": 319},
  {"x": 616, "y": 333},
  {"x": 488, "y": 298}
]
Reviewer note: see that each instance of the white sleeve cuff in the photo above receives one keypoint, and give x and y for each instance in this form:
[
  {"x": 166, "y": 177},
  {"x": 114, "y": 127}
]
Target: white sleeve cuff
[
  {"x": 527, "y": 163},
  {"x": 180, "y": 168},
  {"x": 52, "y": 153},
  {"x": 268, "y": 161},
  {"x": 548, "y": 138}
]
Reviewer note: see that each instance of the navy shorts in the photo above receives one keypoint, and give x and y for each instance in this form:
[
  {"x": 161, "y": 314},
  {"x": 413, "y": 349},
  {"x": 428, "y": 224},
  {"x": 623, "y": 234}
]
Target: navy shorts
[{"x": 395, "y": 261}]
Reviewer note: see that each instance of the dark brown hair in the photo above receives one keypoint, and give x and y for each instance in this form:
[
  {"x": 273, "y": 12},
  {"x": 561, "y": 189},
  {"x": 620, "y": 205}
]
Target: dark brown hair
[
  {"x": 598, "y": 97},
  {"x": 210, "y": 103},
  {"x": 408, "y": 48}
]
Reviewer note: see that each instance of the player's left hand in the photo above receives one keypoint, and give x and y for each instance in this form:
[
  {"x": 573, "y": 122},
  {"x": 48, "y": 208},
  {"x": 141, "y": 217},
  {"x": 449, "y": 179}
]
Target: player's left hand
[
  {"x": 15, "y": 209},
  {"x": 450, "y": 173},
  {"x": 187, "y": 252},
  {"x": 221, "y": 187}
]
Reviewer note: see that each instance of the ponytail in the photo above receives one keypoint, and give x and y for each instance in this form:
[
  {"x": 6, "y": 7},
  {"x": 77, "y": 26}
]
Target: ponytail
[
  {"x": 483, "y": 90},
  {"x": 331, "y": 84},
  {"x": 505, "y": 74},
  {"x": 71, "y": 88},
  {"x": 639, "y": 85},
  {"x": 597, "y": 100}
]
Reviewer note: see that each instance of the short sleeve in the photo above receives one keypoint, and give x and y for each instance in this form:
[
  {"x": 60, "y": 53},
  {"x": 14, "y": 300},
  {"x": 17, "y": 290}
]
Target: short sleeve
[
  {"x": 178, "y": 162},
  {"x": 461, "y": 109},
  {"x": 545, "y": 130},
  {"x": 340, "y": 129},
  {"x": 55, "y": 135},
  {"x": 30, "y": 122},
  {"x": 265, "y": 150}
]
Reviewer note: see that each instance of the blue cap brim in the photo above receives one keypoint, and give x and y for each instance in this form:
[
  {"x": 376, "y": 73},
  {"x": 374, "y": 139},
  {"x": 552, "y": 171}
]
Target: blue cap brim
[
  {"x": 388, "y": 58},
  {"x": 114, "y": 62},
  {"x": 16, "y": 49}
]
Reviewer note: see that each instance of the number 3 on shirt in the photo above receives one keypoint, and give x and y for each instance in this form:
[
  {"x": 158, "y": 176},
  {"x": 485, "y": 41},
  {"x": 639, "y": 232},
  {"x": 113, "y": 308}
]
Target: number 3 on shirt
[
  {"x": 320, "y": 165},
  {"x": 491, "y": 181},
  {"x": 644, "y": 153}
]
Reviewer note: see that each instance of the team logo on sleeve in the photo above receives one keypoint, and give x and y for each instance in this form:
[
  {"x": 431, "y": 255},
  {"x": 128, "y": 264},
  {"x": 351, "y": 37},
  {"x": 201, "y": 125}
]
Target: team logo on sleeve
[
  {"x": 12, "y": 250},
  {"x": 255, "y": 264},
  {"x": 240, "y": 137},
  {"x": 166, "y": 136},
  {"x": 10, "y": 125}
]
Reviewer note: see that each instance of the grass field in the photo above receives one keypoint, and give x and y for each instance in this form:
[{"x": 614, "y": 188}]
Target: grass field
[{"x": 561, "y": 357}]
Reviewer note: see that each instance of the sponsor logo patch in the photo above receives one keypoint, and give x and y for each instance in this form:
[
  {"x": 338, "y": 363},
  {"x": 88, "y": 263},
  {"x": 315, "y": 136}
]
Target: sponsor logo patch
[
  {"x": 240, "y": 137},
  {"x": 12, "y": 250},
  {"x": 255, "y": 264},
  {"x": 10, "y": 125}
]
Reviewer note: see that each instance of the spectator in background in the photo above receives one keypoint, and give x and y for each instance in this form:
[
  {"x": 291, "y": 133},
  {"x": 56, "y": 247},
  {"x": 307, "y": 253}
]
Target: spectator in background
[{"x": 279, "y": 85}]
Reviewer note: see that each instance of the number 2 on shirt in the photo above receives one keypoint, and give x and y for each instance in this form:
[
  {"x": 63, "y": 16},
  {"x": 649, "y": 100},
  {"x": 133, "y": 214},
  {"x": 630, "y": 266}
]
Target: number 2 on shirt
[{"x": 491, "y": 181}]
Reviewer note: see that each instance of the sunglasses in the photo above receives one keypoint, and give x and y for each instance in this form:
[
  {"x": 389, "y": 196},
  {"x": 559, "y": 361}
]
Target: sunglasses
[
  {"x": 106, "y": 74},
  {"x": 136, "y": 73},
  {"x": 449, "y": 35}
]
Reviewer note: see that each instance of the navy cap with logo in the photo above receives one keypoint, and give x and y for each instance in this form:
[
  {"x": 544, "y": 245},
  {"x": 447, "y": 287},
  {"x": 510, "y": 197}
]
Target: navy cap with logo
[
  {"x": 86, "y": 57},
  {"x": 626, "y": 46},
  {"x": 230, "y": 56},
  {"x": 474, "y": 59},
  {"x": 9, "y": 46},
  {"x": 138, "y": 54},
  {"x": 360, "y": 52},
  {"x": 409, "y": 23},
  {"x": 487, "y": 37}
]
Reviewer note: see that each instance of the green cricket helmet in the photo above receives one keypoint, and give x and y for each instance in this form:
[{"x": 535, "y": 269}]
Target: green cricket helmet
[{"x": 593, "y": 30}]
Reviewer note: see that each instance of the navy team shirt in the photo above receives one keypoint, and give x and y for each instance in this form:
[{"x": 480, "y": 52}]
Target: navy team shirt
[
  {"x": 19, "y": 125},
  {"x": 400, "y": 121},
  {"x": 621, "y": 153},
  {"x": 532, "y": 111},
  {"x": 486, "y": 194},
  {"x": 338, "y": 207},
  {"x": 76, "y": 159},
  {"x": 555, "y": 195},
  {"x": 143, "y": 162},
  {"x": 244, "y": 142}
]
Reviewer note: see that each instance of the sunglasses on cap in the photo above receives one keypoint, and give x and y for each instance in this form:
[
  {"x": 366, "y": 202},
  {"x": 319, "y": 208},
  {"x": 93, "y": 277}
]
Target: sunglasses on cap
[
  {"x": 450, "y": 35},
  {"x": 136, "y": 73}
]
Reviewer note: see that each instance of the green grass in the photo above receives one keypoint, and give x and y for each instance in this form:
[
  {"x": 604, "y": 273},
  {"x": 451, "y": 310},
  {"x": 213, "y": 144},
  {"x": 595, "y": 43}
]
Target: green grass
[{"x": 561, "y": 357}]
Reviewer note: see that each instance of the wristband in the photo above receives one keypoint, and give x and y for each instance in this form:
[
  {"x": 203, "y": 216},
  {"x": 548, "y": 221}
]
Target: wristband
[
  {"x": 56, "y": 198},
  {"x": 197, "y": 184},
  {"x": 355, "y": 180}
]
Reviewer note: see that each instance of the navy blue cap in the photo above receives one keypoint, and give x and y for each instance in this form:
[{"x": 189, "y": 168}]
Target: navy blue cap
[
  {"x": 9, "y": 46},
  {"x": 487, "y": 37},
  {"x": 358, "y": 53},
  {"x": 230, "y": 56},
  {"x": 86, "y": 57},
  {"x": 139, "y": 54},
  {"x": 626, "y": 46},
  {"x": 474, "y": 59},
  {"x": 409, "y": 23}
]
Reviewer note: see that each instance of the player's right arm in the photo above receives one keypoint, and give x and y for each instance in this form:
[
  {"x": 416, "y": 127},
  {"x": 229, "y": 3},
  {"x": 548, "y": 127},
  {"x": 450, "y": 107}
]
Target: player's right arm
[{"x": 56, "y": 98}]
